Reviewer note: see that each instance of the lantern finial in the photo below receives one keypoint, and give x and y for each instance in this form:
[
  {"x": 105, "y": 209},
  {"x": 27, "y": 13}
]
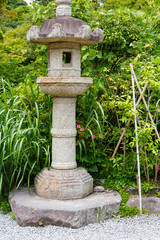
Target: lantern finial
[{"x": 63, "y": 8}]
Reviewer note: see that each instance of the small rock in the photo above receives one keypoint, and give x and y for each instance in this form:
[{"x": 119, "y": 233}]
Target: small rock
[
  {"x": 150, "y": 203},
  {"x": 99, "y": 189}
]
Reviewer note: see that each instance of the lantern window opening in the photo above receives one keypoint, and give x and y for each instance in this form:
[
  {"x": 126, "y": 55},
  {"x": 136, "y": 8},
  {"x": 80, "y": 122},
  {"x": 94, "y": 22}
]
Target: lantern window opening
[{"x": 66, "y": 58}]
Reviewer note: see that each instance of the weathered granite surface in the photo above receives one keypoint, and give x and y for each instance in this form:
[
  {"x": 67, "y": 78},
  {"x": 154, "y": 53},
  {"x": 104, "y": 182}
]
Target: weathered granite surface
[
  {"x": 64, "y": 87},
  {"x": 64, "y": 59},
  {"x": 31, "y": 210},
  {"x": 63, "y": 184},
  {"x": 150, "y": 203},
  {"x": 64, "y": 28}
]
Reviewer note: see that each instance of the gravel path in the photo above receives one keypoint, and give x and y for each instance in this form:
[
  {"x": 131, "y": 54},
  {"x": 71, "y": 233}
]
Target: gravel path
[{"x": 144, "y": 228}]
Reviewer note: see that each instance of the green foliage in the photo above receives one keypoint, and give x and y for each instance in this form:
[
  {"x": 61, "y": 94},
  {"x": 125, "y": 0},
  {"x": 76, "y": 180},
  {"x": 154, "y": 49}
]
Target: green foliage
[
  {"x": 21, "y": 57},
  {"x": 41, "y": 224},
  {"x": 12, "y": 4},
  {"x": 40, "y": 13},
  {"x": 24, "y": 147},
  {"x": 123, "y": 43},
  {"x": 157, "y": 193},
  {"x": 125, "y": 210},
  {"x": 13, "y": 217},
  {"x": 124, "y": 195},
  {"x": 91, "y": 131},
  {"x": 4, "y": 205},
  {"x": 13, "y": 12},
  {"x": 147, "y": 186},
  {"x": 44, "y": 2}
]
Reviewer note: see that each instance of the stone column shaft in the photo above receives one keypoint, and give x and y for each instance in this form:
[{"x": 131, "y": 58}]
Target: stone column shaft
[{"x": 64, "y": 133}]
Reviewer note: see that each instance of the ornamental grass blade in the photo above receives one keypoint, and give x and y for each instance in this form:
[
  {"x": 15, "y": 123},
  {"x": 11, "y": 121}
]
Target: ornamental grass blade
[
  {"x": 1, "y": 182},
  {"x": 20, "y": 181},
  {"x": 93, "y": 142},
  {"x": 84, "y": 146},
  {"x": 80, "y": 150},
  {"x": 29, "y": 174},
  {"x": 98, "y": 125}
]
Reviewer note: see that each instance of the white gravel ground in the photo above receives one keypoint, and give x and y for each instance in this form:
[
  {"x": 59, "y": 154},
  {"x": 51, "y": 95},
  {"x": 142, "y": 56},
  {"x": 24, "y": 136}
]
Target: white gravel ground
[{"x": 142, "y": 228}]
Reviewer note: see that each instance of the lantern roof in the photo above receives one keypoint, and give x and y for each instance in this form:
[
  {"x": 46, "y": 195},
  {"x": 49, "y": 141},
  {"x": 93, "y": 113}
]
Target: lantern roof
[{"x": 64, "y": 28}]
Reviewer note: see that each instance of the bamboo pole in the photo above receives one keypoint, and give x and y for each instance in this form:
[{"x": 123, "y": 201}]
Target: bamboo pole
[
  {"x": 127, "y": 124},
  {"x": 134, "y": 76},
  {"x": 137, "y": 148},
  {"x": 121, "y": 137}
]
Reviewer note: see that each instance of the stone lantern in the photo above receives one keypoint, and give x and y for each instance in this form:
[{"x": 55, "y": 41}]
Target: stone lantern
[
  {"x": 64, "y": 36},
  {"x": 61, "y": 192}
]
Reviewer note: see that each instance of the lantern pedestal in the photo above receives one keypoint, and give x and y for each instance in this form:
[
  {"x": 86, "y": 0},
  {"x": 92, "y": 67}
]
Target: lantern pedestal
[
  {"x": 63, "y": 184},
  {"x": 64, "y": 180}
]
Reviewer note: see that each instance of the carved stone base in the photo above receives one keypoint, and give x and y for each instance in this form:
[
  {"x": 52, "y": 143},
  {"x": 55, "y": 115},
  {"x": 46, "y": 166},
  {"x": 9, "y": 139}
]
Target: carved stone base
[
  {"x": 31, "y": 210},
  {"x": 63, "y": 184}
]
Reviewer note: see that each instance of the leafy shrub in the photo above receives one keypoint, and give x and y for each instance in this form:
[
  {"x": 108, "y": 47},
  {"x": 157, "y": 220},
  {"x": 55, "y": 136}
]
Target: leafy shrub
[{"x": 24, "y": 147}]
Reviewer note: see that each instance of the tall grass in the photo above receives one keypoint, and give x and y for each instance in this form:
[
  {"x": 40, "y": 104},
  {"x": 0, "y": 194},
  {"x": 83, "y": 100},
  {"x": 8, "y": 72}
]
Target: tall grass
[{"x": 24, "y": 139}]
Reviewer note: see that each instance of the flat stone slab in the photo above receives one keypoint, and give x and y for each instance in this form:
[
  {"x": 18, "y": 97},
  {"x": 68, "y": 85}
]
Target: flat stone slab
[
  {"x": 31, "y": 210},
  {"x": 150, "y": 203}
]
